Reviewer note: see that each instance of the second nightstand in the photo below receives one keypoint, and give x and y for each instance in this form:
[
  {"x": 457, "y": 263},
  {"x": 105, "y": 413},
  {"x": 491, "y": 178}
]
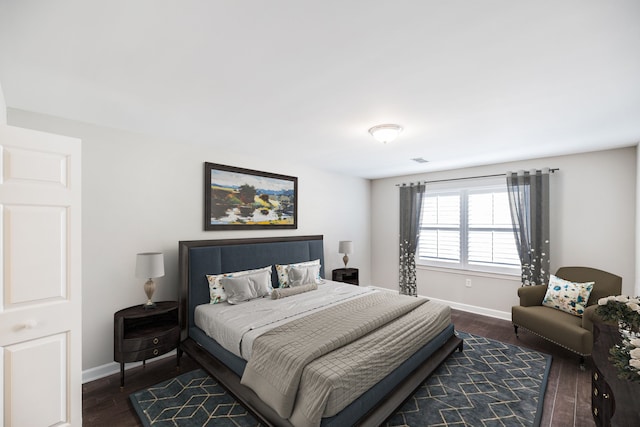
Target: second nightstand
[
  {"x": 346, "y": 275},
  {"x": 141, "y": 334}
]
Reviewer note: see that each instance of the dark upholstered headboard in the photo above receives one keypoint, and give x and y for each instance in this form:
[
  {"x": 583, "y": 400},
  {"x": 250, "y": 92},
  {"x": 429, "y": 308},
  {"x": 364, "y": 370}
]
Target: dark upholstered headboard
[{"x": 201, "y": 257}]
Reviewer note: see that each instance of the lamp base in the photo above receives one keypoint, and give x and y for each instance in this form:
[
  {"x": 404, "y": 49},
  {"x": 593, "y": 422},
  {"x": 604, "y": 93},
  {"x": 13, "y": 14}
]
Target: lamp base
[
  {"x": 149, "y": 289},
  {"x": 345, "y": 259}
]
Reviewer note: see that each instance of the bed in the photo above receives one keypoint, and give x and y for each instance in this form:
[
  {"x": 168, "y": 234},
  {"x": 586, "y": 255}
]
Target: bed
[{"x": 372, "y": 406}]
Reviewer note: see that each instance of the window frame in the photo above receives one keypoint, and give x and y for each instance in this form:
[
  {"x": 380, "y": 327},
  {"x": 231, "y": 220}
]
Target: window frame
[{"x": 492, "y": 185}]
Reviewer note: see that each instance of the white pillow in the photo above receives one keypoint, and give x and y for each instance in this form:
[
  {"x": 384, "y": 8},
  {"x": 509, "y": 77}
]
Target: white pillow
[
  {"x": 303, "y": 275},
  {"x": 247, "y": 287},
  {"x": 217, "y": 293},
  {"x": 283, "y": 271}
]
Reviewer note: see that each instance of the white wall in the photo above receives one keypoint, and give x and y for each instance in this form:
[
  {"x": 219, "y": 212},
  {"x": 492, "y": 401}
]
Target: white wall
[
  {"x": 3, "y": 108},
  {"x": 141, "y": 194},
  {"x": 593, "y": 204}
]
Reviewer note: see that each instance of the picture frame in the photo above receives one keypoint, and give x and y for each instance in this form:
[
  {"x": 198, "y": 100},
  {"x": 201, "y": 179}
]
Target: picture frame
[{"x": 245, "y": 199}]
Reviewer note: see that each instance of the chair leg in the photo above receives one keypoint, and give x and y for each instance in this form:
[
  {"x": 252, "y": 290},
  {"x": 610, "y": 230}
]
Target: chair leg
[{"x": 515, "y": 329}]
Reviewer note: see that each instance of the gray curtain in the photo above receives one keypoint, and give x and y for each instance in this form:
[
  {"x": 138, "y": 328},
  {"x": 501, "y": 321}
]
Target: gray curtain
[
  {"x": 410, "y": 211},
  {"x": 529, "y": 202}
]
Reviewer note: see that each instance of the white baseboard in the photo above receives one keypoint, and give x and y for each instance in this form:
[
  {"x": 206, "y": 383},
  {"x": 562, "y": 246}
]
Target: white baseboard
[
  {"x": 105, "y": 370},
  {"x": 504, "y": 315}
]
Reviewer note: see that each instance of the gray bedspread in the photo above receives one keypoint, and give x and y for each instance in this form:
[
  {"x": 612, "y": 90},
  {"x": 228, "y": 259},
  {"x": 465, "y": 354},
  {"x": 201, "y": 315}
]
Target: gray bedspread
[{"x": 315, "y": 366}]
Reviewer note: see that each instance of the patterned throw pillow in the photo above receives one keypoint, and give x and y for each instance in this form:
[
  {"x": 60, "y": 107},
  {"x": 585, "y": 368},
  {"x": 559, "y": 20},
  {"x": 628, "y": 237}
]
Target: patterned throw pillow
[
  {"x": 283, "y": 271},
  {"x": 216, "y": 290},
  {"x": 567, "y": 296}
]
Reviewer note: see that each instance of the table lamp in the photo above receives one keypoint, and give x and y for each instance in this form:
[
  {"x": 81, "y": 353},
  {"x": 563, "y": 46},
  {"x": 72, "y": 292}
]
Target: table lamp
[
  {"x": 149, "y": 265},
  {"x": 345, "y": 247}
]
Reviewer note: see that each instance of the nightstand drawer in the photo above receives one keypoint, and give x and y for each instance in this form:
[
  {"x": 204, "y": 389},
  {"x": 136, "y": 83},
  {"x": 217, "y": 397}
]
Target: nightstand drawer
[
  {"x": 602, "y": 403},
  {"x": 161, "y": 338},
  {"x": 150, "y": 353}
]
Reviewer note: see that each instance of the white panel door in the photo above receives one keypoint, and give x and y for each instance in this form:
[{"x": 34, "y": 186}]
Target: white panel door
[{"x": 40, "y": 282}]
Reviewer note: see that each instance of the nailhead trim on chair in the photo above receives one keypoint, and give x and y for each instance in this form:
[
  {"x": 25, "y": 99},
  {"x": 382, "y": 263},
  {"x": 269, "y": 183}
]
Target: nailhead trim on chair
[{"x": 556, "y": 343}]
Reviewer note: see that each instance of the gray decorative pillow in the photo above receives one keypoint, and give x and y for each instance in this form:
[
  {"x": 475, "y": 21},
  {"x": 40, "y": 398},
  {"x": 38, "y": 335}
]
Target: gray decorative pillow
[
  {"x": 303, "y": 275},
  {"x": 261, "y": 283},
  {"x": 216, "y": 290},
  {"x": 283, "y": 271},
  {"x": 245, "y": 288},
  {"x": 238, "y": 289}
]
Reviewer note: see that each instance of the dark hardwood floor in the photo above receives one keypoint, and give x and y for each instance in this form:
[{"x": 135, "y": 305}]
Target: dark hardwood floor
[
  {"x": 105, "y": 404},
  {"x": 567, "y": 399}
]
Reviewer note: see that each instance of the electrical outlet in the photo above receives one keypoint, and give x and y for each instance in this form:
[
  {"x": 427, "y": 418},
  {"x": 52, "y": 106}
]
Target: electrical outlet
[{"x": 467, "y": 283}]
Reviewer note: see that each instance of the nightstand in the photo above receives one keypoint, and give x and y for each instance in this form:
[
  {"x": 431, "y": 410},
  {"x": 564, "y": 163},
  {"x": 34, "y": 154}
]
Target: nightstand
[
  {"x": 346, "y": 275},
  {"x": 140, "y": 334}
]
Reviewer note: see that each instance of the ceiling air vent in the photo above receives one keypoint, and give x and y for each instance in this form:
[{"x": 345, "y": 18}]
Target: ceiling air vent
[{"x": 420, "y": 160}]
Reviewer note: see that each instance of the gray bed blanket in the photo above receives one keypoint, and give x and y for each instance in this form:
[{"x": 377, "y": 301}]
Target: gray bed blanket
[
  {"x": 275, "y": 371},
  {"x": 331, "y": 382}
]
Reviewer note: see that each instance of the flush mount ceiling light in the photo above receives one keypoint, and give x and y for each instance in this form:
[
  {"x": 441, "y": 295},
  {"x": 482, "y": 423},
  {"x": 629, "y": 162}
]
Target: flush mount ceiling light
[{"x": 385, "y": 133}]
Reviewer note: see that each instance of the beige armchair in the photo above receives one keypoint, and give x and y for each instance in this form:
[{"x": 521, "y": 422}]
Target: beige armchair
[{"x": 569, "y": 331}]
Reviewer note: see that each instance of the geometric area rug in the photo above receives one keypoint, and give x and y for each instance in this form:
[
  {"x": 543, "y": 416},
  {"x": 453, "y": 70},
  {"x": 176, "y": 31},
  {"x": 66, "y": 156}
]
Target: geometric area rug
[{"x": 490, "y": 383}]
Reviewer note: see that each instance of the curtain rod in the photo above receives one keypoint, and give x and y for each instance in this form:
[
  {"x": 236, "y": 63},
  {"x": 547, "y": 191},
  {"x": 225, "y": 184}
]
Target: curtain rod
[{"x": 466, "y": 177}]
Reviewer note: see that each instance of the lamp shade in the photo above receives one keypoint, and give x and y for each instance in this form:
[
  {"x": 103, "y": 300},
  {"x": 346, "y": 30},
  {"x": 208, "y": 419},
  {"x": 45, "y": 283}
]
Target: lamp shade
[
  {"x": 149, "y": 265},
  {"x": 345, "y": 247}
]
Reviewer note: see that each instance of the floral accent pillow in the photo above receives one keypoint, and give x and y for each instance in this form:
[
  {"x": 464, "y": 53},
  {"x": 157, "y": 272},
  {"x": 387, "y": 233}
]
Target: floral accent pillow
[
  {"x": 283, "y": 271},
  {"x": 570, "y": 297},
  {"x": 216, "y": 290}
]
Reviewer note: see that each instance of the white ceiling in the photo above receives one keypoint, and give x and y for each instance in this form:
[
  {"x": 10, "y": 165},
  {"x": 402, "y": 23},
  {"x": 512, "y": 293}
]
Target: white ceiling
[{"x": 472, "y": 82}]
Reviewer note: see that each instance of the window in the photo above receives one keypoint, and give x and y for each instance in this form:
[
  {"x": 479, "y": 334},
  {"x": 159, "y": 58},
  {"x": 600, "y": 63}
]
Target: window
[{"x": 468, "y": 228}]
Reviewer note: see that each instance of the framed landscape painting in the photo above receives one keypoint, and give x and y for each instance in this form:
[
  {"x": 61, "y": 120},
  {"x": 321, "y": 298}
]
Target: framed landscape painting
[{"x": 237, "y": 198}]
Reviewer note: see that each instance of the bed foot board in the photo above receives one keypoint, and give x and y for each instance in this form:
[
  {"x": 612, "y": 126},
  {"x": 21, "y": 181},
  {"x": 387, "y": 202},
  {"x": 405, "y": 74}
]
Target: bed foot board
[
  {"x": 231, "y": 382},
  {"x": 267, "y": 416}
]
